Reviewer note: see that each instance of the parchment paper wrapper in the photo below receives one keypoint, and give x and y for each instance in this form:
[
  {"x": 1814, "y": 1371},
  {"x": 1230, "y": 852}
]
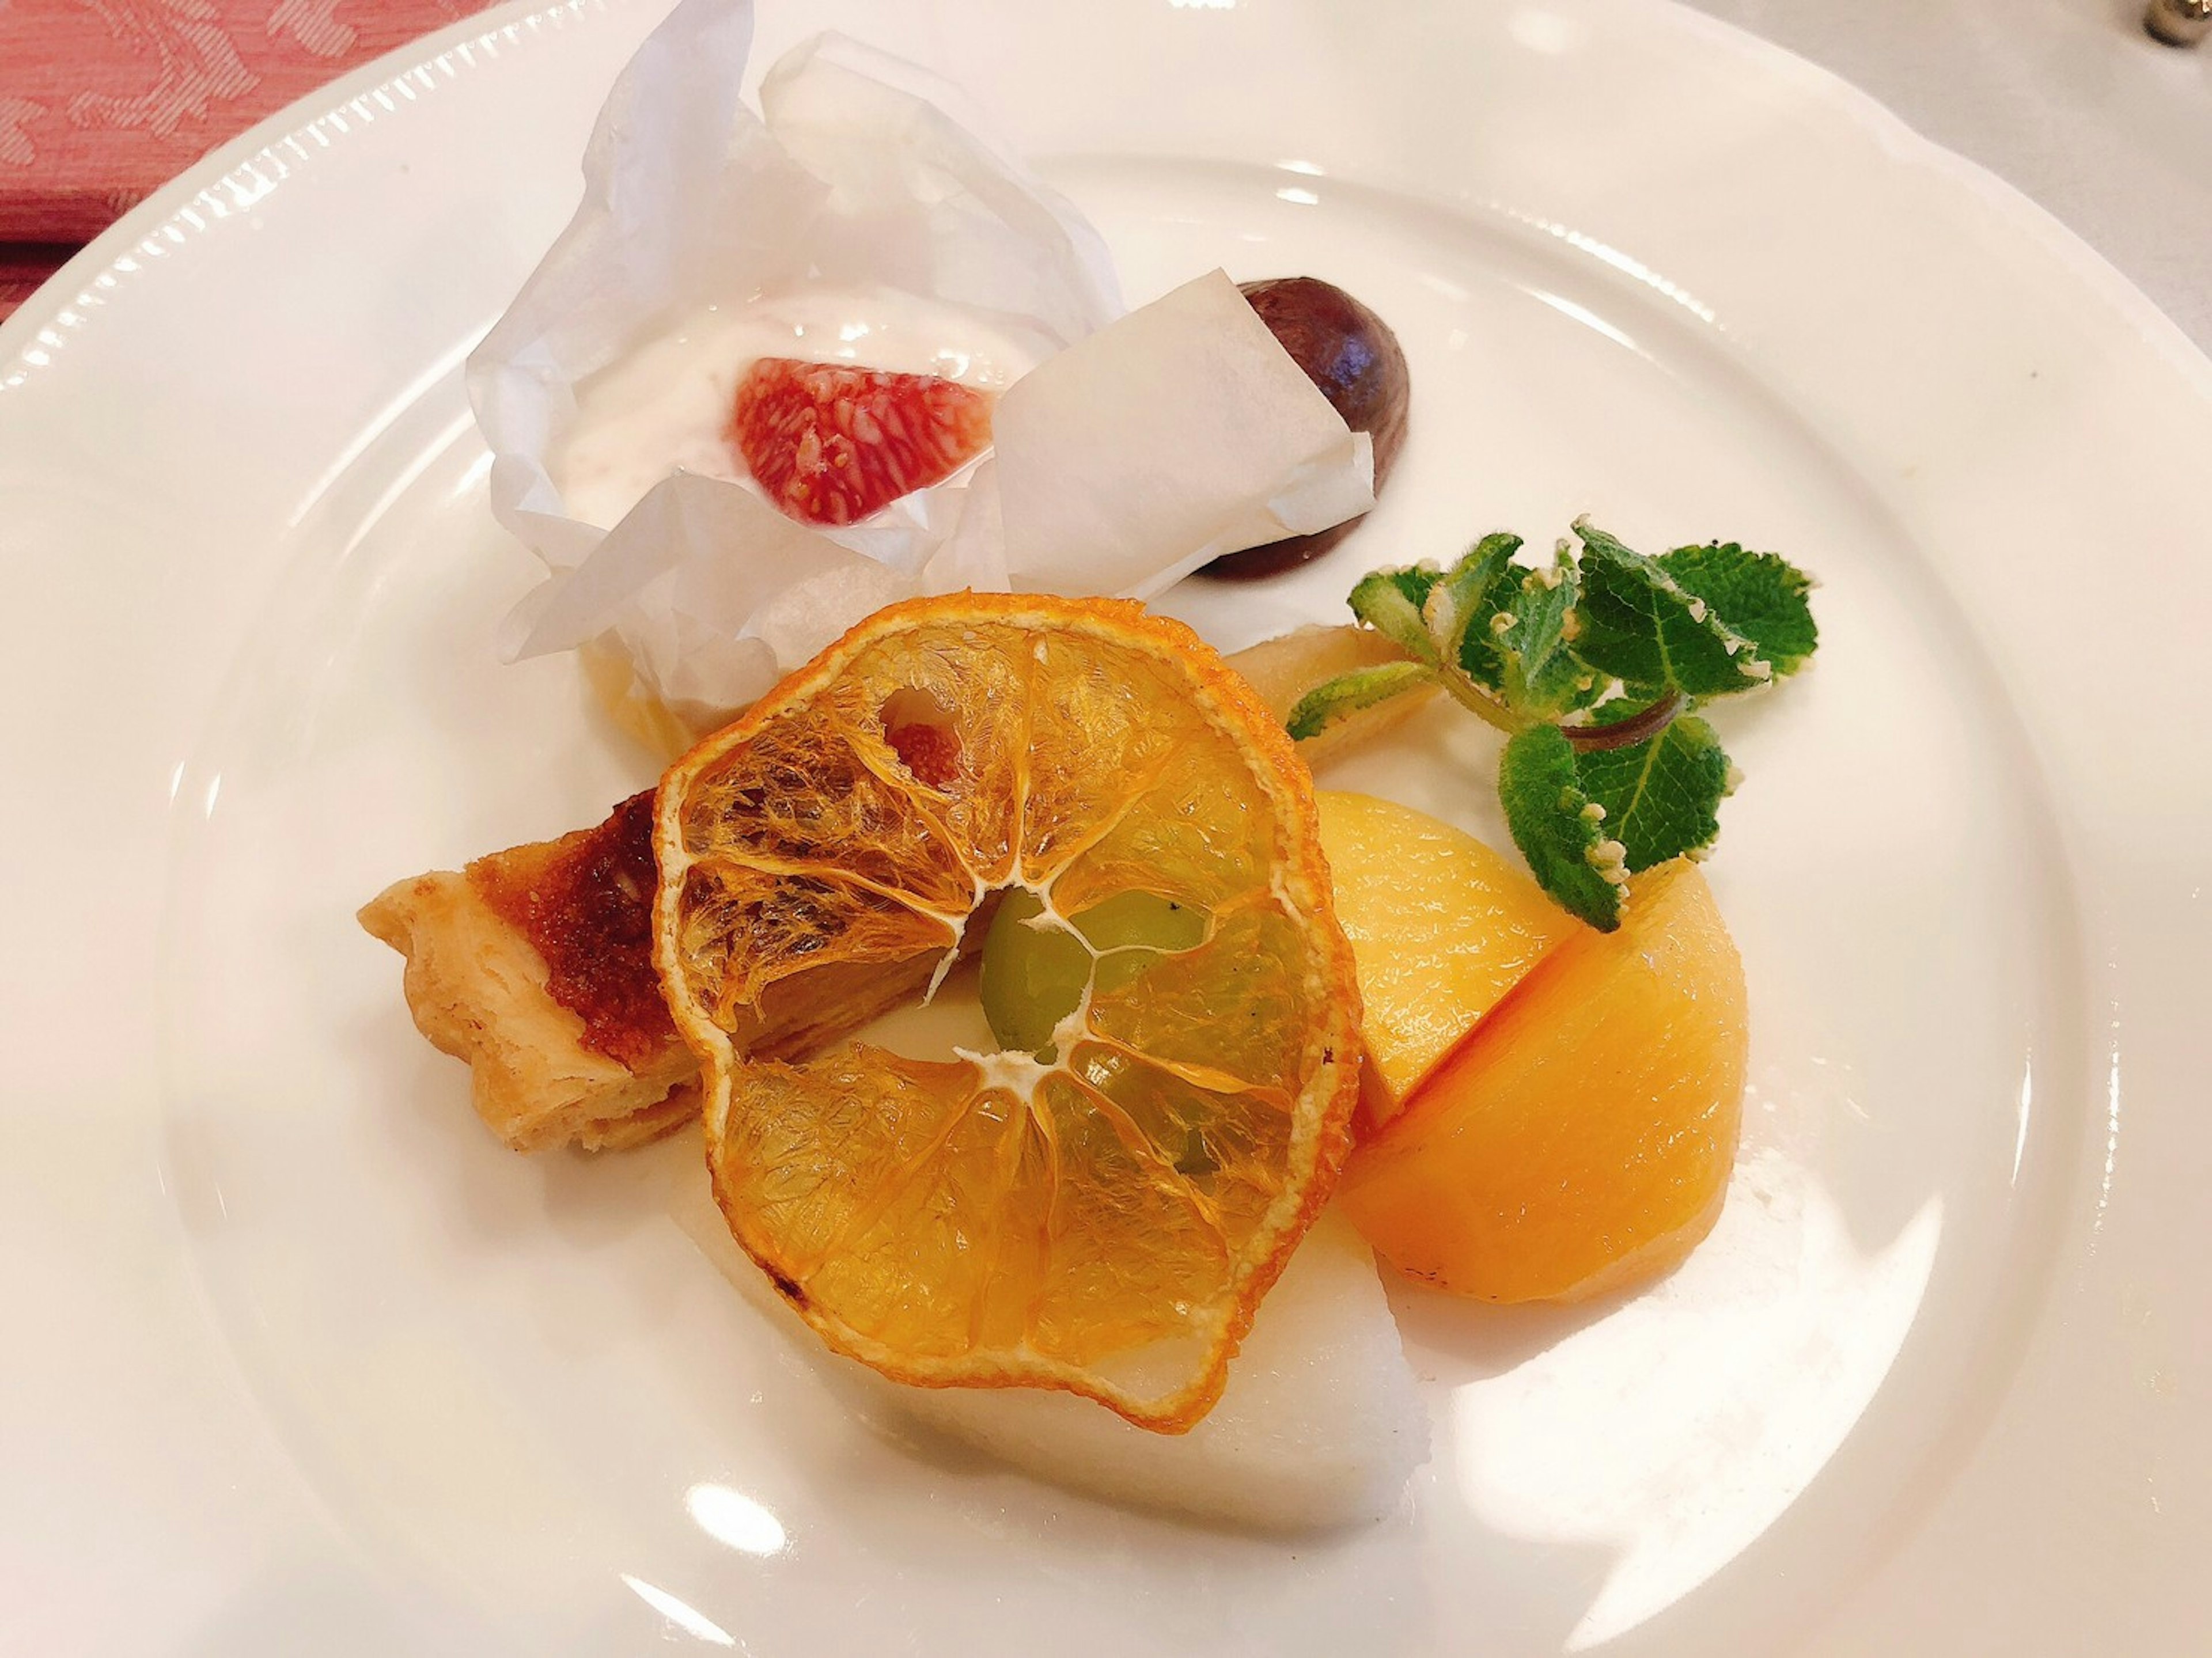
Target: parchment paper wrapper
[{"x": 1177, "y": 433}]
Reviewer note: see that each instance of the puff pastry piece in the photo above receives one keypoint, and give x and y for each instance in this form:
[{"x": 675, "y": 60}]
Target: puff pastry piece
[{"x": 535, "y": 965}]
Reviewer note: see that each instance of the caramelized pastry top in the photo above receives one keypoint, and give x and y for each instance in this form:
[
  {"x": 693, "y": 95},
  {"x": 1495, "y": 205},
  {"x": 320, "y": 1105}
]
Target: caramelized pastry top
[{"x": 584, "y": 902}]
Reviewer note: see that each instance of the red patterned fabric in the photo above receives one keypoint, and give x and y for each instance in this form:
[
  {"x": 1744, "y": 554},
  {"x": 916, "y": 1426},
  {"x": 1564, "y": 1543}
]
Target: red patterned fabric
[{"x": 100, "y": 100}]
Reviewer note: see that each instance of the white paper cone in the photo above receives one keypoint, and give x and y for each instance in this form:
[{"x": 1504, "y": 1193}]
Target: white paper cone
[{"x": 1157, "y": 441}]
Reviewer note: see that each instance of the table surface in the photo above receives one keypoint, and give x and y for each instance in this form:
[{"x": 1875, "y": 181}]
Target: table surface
[
  {"x": 103, "y": 100},
  {"x": 2068, "y": 101}
]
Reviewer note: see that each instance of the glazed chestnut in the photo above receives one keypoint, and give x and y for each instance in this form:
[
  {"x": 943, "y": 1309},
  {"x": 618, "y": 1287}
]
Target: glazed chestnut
[{"x": 1351, "y": 354}]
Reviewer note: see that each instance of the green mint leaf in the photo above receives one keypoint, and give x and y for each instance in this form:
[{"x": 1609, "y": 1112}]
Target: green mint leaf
[
  {"x": 1540, "y": 676},
  {"x": 1760, "y": 596},
  {"x": 1662, "y": 797},
  {"x": 1390, "y": 602},
  {"x": 1460, "y": 608},
  {"x": 1639, "y": 624},
  {"x": 1552, "y": 822},
  {"x": 1348, "y": 693}
]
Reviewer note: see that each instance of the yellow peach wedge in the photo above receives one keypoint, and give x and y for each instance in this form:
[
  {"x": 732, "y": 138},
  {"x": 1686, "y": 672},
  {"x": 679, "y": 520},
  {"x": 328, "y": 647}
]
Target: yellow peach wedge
[
  {"x": 1580, "y": 1138},
  {"x": 1441, "y": 927}
]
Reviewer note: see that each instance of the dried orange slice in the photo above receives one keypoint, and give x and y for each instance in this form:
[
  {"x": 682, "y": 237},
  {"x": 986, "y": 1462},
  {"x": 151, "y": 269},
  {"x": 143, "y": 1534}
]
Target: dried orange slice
[{"x": 1104, "y": 1218}]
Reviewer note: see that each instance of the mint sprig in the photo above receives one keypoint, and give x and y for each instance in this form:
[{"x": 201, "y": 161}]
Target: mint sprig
[{"x": 1597, "y": 662}]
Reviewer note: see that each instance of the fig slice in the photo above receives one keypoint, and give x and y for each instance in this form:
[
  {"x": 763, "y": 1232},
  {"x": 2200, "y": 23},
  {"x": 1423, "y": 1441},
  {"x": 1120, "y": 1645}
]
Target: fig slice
[{"x": 832, "y": 444}]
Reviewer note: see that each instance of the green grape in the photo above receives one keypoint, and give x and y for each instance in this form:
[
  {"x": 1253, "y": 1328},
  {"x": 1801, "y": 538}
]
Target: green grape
[{"x": 1033, "y": 977}]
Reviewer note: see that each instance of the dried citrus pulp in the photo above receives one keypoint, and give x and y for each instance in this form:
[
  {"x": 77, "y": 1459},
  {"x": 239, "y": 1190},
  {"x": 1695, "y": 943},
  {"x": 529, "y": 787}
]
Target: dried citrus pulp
[{"x": 1101, "y": 1213}]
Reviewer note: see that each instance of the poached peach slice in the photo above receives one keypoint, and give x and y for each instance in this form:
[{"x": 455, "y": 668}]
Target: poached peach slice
[
  {"x": 1441, "y": 927},
  {"x": 1580, "y": 1138}
]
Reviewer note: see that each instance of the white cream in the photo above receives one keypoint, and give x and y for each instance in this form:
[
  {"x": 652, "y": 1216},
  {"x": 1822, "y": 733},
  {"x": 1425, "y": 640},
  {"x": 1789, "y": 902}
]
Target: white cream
[{"x": 665, "y": 404}]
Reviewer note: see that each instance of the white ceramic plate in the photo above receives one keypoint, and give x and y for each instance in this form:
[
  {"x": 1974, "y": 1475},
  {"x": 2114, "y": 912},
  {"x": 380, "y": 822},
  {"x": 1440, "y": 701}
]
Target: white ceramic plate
[{"x": 300, "y": 1360}]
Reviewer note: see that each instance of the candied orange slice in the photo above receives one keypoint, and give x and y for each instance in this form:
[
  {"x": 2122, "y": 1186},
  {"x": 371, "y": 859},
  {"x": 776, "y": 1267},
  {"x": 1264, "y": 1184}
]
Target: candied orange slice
[{"x": 1102, "y": 1216}]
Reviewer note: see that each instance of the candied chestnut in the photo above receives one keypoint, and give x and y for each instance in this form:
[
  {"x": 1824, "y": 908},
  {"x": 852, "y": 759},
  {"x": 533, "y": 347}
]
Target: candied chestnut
[{"x": 1351, "y": 354}]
